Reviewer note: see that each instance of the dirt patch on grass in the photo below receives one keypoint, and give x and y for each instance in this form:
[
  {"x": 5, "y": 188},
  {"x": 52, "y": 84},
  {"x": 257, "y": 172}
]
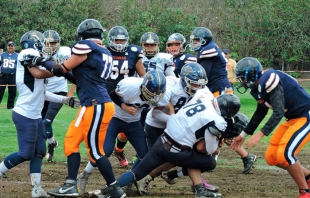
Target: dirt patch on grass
[{"x": 263, "y": 181}]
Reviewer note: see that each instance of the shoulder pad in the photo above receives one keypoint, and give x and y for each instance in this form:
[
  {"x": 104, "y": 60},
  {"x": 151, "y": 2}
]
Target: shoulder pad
[
  {"x": 271, "y": 81},
  {"x": 81, "y": 47}
]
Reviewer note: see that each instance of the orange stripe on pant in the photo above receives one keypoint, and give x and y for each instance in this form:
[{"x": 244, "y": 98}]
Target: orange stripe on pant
[
  {"x": 283, "y": 138},
  {"x": 92, "y": 127}
]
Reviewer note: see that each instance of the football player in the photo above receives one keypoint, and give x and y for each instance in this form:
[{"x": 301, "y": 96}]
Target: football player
[
  {"x": 91, "y": 65},
  {"x": 213, "y": 60},
  {"x": 26, "y": 114},
  {"x": 175, "y": 46},
  {"x": 56, "y": 85},
  {"x": 127, "y": 61},
  {"x": 278, "y": 91},
  {"x": 131, "y": 96},
  {"x": 202, "y": 117}
]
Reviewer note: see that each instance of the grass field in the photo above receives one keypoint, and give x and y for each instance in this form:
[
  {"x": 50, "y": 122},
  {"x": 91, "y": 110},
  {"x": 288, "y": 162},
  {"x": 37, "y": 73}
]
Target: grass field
[{"x": 8, "y": 140}]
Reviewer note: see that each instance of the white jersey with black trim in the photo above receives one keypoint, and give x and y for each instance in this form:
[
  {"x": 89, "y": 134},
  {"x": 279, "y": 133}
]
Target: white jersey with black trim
[
  {"x": 31, "y": 90},
  {"x": 130, "y": 91},
  {"x": 59, "y": 84},
  {"x": 189, "y": 124},
  {"x": 175, "y": 94},
  {"x": 160, "y": 62}
]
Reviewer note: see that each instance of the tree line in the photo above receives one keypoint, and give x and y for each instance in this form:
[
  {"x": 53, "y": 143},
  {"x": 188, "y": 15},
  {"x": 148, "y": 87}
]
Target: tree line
[{"x": 277, "y": 32}]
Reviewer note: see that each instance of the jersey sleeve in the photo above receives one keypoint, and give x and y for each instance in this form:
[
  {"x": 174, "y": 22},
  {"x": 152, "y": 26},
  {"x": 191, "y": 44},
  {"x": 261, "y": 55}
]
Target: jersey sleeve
[
  {"x": 81, "y": 47},
  {"x": 209, "y": 51},
  {"x": 129, "y": 88},
  {"x": 271, "y": 82}
]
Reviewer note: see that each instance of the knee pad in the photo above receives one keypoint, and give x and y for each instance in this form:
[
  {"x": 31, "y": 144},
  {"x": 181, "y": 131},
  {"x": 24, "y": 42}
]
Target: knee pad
[{"x": 122, "y": 137}]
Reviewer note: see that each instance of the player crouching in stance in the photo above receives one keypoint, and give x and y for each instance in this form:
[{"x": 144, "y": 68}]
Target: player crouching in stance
[
  {"x": 202, "y": 117},
  {"x": 27, "y": 111},
  {"x": 273, "y": 89}
]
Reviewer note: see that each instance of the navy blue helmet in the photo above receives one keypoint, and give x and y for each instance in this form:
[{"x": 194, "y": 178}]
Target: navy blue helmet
[
  {"x": 33, "y": 39},
  {"x": 119, "y": 33},
  {"x": 236, "y": 125},
  {"x": 248, "y": 70},
  {"x": 193, "y": 77},
  {"x": 227, "y": 105},
  {"x": 203, "y": 34},
  {"x": 90, "y": 29},
  {"x": 153, "y": 86}
]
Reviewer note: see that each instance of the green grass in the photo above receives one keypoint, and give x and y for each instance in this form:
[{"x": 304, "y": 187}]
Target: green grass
[{"x": 8, "y": 138}]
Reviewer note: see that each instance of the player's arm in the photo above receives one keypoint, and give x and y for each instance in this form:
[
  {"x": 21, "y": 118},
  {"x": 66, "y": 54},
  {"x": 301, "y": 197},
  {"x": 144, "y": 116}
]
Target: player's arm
[
  {"x": 39, "y": 73},
  {"x": 161, "y": 116},
  {"x": 117, "y": 99},
  {"x": 71, "y": 92},
  {"x": 140, "y": 68},
  {"x": 278, "y": 106}
]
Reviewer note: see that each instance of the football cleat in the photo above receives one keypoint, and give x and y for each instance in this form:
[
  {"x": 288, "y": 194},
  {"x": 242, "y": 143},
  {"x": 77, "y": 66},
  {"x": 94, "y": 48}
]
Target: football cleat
[
  {"x": 50, "y": 150},
  {"x": 121, "y": 158},
  {"x": 81, "y": 182},
  {"x": 167, "y": 179},
  {"x": 37, "y": 191},
  {"x": 248, "y": 162}
]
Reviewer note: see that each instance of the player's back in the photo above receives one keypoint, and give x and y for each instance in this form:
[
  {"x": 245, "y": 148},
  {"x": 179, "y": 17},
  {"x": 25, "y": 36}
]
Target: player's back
[
  {"x": 92, "y": 74},
  {"x": 189, "y": 124}
]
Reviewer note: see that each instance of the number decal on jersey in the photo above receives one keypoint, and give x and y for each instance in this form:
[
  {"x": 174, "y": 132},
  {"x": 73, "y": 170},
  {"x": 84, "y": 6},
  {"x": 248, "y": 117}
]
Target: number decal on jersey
[
  {"x": 196, "y": 107},
  {"x": 149, "y": 66},
  {"x": 8, "y": 63},
  {"x": 123, "y": 71},
  {"x": 107, "y": 65},
  {"x": 180, "y": 103}
]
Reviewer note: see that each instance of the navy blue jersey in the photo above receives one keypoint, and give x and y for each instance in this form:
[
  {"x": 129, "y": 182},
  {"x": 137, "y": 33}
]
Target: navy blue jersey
[
  {"x": 92, "y": 74},
  {"x": 212, "y": 59},
  {"x": 181, "y": 60},
  {"x": 124, "y": 65},
  {"x": 297, "y": 100},
  {"x": 9, "y": 63}
]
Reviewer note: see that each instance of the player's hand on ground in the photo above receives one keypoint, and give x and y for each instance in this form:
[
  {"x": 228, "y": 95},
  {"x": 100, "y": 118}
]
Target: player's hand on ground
[
  {"x": 254, "y": 140},
  {"x": 71, "y": 101},
  {"x": 237, "y": 143}
]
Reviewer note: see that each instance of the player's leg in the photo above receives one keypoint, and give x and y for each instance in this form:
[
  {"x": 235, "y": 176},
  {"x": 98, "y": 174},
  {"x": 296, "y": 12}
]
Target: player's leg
[
  {"x": 50, "y": 114},
  {"x": 11, "y": 92},
  {"x": 36, "y": 162},
  {"x": 119, "y": 153},
  {"x": 73, "y": 138},
  {"x": 114, "y": 127},
  {"x": 288, "y": 139}
]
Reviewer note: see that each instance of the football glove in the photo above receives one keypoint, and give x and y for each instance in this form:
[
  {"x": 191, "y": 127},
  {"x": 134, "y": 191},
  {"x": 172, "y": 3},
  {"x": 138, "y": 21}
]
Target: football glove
[
  {"x": 31, "y": 60},
  {"x": 71, "y": 101}
]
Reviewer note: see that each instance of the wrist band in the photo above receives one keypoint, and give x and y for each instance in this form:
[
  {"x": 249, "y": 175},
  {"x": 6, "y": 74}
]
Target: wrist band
[{"x": 243, "y": 134}]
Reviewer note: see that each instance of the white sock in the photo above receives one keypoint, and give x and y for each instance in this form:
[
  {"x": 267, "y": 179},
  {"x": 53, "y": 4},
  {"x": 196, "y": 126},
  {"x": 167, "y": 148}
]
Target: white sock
[
  {"x": 3, "y": 168},
  {"x": 51, "y": 140},
  {"x": 180, "y": 173},
  {"x": 89, "y": 168},
  {"x": 35, "y": 178}
]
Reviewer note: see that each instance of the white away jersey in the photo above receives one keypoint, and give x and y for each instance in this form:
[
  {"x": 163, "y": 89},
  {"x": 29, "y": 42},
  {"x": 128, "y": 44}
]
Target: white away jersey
[
  {"x": 160, "y": 62},
  {"x": 189, "y": 124},
  {"x": 129, "y": 90},
  {"x": 59, "y": 84},
  {"x": 175, "y": 94},
  {"x": 31, "y": 90}
]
